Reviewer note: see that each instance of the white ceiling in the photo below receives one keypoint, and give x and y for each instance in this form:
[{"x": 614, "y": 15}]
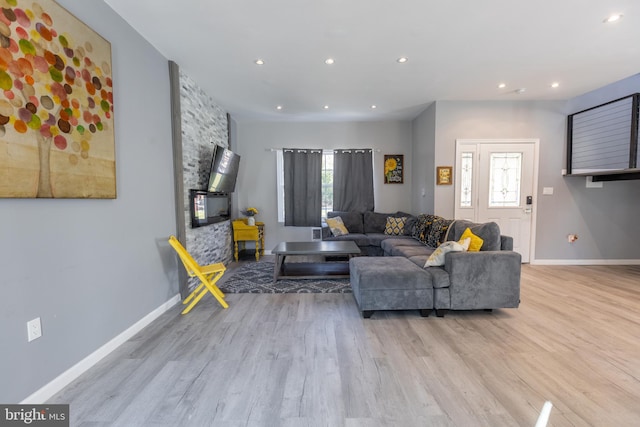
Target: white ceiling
[{"x": 457, "y": 50}]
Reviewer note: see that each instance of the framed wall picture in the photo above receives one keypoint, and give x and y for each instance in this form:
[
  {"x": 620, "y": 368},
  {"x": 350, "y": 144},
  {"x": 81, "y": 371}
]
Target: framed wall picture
[
  {"x": 56, "y": 105},
  {"x": 394, "y": 168},
  {"x": 444, "y": 175}
]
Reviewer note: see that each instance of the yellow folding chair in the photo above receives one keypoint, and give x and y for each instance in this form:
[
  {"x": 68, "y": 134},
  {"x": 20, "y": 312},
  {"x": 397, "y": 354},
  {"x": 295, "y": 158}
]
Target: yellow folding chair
[{"x": 208, "y": 275}]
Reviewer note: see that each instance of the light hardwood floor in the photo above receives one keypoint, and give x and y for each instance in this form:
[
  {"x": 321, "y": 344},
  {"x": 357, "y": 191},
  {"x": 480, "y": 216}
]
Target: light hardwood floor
[{"x": 311, "y": 360}]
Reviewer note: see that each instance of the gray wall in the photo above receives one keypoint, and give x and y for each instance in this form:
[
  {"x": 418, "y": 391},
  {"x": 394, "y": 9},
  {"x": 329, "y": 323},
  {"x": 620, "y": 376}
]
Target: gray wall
[
  {"x": 605, "y": 219},
  {"x": 257, "y": 178},
  {"x": 92, "y": 268},
  {"x": 423, "y": 157}
]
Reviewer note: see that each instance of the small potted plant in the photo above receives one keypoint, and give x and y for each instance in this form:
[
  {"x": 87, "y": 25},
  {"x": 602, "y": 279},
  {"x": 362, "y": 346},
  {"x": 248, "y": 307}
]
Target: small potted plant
[{"x": 250, "y": 213}]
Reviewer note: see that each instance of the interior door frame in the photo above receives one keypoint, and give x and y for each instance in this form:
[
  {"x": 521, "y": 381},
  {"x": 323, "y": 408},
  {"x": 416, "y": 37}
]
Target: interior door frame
[{"x": 461, "y": 142}]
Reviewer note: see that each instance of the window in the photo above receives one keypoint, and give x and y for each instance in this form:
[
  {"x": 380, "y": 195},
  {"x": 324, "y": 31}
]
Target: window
[
  {"x": 327, "y": 183},
  {"x": 466, "y": 179},
  {"x": 280, "y": 184},
  {"x": 504, "y": 182}
]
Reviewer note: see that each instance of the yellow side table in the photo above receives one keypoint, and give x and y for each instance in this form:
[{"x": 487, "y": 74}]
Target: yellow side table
[{"x": 243, "y": 232}]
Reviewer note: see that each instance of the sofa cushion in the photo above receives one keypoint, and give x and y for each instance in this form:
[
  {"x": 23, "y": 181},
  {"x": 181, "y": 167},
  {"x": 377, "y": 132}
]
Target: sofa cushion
[
  {"x": 391, "y": 242},
  {"x": 351, "y": 220},
  {"x": 410, "y": 251},
  {"x": 419, "y": 260},
  {"x": 390, "y": 283},
  {"x": 358, "y": 238},
  {"x": 488, "y": 231},
  {"x": 386, "y": 273},
  {"x": 439, "y": 278},
  {"x": 395, "y": 226},
  {"x": 376, "y": 239}
]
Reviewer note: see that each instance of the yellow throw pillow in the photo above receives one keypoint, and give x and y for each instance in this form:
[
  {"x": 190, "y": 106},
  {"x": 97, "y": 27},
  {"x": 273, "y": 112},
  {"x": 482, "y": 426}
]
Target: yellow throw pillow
[
  {"x": 476, "y": 242},
  {"x": 395, "y": 226},
  {"x": 337, "y": 226},
  {"x": 465, "y": 243}
]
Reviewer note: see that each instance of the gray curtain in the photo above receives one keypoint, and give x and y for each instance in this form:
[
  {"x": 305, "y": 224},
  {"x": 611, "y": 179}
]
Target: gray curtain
[
  {"x": 353, "y": 180},
  {"x": 302, "y": 187}
]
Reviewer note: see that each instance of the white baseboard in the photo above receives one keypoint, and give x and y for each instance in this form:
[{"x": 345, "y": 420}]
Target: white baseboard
[
  {"x": 64, "y": 379},
  {"x": 585, "y": 262}
]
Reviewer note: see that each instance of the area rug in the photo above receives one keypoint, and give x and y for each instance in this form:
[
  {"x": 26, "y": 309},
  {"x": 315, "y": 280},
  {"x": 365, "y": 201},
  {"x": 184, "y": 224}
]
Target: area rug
[{"x": 257, "y": 277}]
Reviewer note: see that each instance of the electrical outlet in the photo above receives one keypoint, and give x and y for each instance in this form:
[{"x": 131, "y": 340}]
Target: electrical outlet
[{"x": 34, "y": 329}]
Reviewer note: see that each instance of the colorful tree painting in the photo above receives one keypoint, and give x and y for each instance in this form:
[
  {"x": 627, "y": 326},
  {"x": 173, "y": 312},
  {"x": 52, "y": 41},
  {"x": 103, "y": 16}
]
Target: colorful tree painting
[{"x": 56, "y": 104}]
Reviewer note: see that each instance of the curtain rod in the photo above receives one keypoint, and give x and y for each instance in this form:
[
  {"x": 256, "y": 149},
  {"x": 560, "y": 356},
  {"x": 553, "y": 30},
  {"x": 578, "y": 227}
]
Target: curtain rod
[{"x": 326, "y": 149}]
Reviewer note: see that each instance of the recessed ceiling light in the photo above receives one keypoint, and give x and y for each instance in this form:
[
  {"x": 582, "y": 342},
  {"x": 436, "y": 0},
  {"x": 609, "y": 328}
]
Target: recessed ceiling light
[
  {"x": 329, "y": 61},
  {"x": 402, "y": 59},
  {"x": 555, "y": 85},
  {"x": 259, "y": 62},
  {"x": 502, "y": 85},
  {"x": 521, "y": 90},
  {"x": 279, "y": 107},
  {"x": 326, "y": 107},
  {"x": 373, "y": 107},
  {"x": 613, "y": 18}
]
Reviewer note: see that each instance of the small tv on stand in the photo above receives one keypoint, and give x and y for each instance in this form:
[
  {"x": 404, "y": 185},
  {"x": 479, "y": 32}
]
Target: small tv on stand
[{"x": 208, "y": 208}]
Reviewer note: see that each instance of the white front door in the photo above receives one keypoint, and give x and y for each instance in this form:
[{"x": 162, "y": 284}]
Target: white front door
[{"x": 495, "y": 182}]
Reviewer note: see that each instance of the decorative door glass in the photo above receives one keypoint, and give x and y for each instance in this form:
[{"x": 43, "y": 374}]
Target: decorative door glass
[
  {"x": 504, "y": 180},
  {"x": 466, "y": 179}
]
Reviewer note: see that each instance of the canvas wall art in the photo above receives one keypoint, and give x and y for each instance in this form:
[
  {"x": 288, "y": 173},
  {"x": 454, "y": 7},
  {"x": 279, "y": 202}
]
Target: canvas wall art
[
  {"x": 56, "y": 105},
  {"x": 444, "y": 175},
  {"x": 394, "y": 168}
]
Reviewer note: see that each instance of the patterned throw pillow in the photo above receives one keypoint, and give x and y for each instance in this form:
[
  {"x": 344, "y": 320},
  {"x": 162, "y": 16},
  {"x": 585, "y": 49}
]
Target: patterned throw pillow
[
  {"x": 395, "y": 226},
  {"x": 476, "y": 242},
  {"x": 437, "y": 257},
  {"x": 431, "y": 229},
  {"x": 337, "y": 226}
]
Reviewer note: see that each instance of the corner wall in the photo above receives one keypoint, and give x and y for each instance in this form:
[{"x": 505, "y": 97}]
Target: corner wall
[
  {"x": 423, "y": 158},
  {"x": 92, "y": 268}
]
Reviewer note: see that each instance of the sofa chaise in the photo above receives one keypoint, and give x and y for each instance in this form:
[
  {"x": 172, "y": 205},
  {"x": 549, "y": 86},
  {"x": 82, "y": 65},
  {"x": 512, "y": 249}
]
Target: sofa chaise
[{"x": 394, "y": 276}]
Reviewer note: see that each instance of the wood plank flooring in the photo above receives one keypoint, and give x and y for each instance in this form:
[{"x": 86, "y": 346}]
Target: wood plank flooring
[{"x": 311, "y": 360}]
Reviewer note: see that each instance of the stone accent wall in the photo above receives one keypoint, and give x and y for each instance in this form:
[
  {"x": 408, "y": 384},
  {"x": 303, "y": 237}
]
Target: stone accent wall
[{"x": 204, "y": 124}]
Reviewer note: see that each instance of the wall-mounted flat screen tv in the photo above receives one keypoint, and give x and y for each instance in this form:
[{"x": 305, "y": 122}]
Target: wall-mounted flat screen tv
[{"x": 224, "y": 171}]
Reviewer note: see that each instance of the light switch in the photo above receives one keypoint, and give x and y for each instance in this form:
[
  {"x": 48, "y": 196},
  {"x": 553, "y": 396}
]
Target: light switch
[{"x": 547, "y": 191}]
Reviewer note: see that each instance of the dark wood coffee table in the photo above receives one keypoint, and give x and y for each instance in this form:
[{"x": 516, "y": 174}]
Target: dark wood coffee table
[{"x": 313, "y": 270}]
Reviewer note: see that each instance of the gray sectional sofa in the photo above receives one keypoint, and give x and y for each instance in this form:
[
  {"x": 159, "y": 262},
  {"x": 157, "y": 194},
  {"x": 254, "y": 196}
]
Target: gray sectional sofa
[{"x": 488, "y": 279}]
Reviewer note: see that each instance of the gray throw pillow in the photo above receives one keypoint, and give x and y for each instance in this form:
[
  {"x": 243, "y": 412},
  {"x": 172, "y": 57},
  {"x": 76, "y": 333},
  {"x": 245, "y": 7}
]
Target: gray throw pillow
[
  {"x": 375, "y": 222},
  {"x": 409, "y": 224}
]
